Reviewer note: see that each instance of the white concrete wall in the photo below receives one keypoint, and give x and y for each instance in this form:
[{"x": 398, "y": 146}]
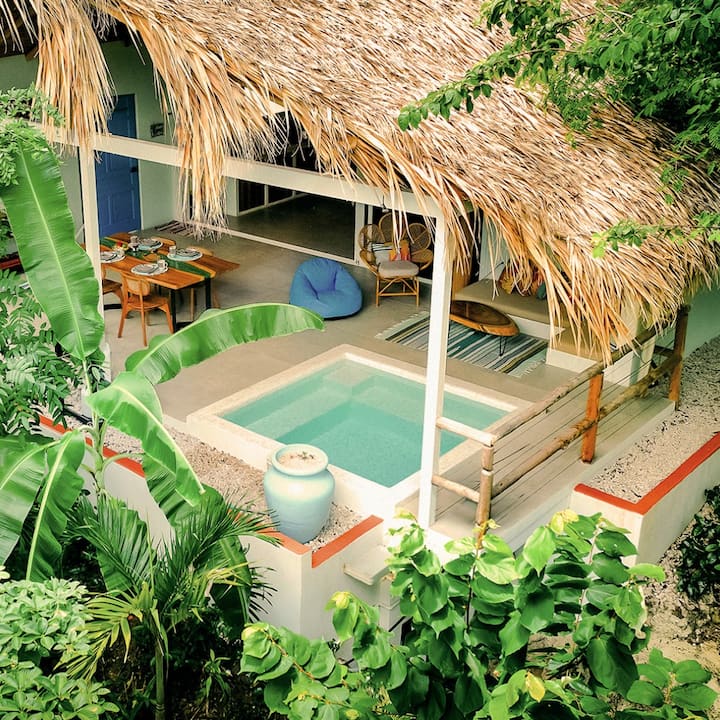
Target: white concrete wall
[{"x": 658, "y": 519}]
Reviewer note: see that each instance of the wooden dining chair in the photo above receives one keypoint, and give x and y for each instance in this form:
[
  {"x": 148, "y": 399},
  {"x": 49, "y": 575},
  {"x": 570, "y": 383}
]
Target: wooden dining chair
[
  {"x": 137, "y": 295},
  {"x": 110, "y": 286},
  {"x": 214, "y": 299}
]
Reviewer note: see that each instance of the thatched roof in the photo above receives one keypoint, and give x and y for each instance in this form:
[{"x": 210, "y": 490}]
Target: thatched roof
[{"x": 343, "y": 68}]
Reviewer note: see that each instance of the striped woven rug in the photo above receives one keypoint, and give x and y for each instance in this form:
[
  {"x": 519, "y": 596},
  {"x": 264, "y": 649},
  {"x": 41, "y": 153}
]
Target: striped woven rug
[{"x": 471, "y": 346}]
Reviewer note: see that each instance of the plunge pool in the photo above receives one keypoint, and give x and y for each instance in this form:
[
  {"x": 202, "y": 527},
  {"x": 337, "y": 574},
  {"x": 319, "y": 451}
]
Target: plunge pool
[{"x": 364, "y": 410}]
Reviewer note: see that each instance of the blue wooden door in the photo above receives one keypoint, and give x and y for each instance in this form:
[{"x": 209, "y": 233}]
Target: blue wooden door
[{"x": 117, "y": 177}]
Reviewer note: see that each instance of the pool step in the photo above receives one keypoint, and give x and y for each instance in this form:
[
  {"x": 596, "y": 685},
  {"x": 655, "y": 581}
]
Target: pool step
[{"x": 369, "y": 566}]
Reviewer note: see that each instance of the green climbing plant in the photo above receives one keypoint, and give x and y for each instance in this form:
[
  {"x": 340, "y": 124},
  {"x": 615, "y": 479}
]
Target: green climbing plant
[{"x": 552, "y": 632}]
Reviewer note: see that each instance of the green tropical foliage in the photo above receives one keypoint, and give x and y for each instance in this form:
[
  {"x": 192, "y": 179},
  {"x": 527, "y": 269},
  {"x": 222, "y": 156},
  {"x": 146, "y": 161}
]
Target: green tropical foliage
[
  {"x": 42, "y": 626},
  {"x": 159, "y": 587},
  {"x": 660, "y": 58},
  {"x": 552, "y": 632},
  {"x": 61, "y": 277},
  {"x": 34, "y": 378},
  {"x": 699, "y": 568}
]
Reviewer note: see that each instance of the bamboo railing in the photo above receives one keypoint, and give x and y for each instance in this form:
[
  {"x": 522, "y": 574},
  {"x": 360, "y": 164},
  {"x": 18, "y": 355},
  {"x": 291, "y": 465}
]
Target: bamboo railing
[{"x": 595, "y": 412}]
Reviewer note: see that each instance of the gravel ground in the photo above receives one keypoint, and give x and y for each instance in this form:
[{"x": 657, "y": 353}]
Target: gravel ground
[{"x": 696, "y": 421}]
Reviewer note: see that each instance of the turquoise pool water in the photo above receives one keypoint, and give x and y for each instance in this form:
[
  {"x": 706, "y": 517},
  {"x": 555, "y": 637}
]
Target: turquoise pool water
[{"x": 368, "y": 421}]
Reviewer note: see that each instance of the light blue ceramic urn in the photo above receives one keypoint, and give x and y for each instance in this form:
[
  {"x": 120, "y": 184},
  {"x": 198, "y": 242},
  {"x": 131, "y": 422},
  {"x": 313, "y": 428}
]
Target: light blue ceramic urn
[{"x": 298, "y": 490}]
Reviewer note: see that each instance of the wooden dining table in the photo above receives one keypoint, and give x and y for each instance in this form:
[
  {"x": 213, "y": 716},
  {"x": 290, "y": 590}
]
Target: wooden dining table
[{"x": 180, "y": 274}]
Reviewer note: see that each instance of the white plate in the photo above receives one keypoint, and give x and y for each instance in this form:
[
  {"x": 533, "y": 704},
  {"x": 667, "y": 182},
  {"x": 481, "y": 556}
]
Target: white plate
[
  {"x": 147, "y": 269},
  {"x": 111, "y": 256},
  {"x": 187, "y": 254},
  {"x": 150, "y": 245}
]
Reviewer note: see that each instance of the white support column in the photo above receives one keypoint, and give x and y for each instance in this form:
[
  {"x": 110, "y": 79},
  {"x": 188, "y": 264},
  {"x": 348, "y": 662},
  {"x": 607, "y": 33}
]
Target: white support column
[
  {"x": 435, "y": 377},
  {"x": 88, "y": 191},
  {"x": 360, "y": 215}
]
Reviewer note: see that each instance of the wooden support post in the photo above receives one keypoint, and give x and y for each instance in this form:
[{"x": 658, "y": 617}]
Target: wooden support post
[
  {"x": 487, "y": 473},
  {"x": 681, "y": 324},
  {"x": 587, "y": 453}
]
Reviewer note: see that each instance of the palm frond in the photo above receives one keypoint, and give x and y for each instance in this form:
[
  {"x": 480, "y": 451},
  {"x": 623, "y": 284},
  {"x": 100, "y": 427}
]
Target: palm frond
[{"x": 121, "y": 540}]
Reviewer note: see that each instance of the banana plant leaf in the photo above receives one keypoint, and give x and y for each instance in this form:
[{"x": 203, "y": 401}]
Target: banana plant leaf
[
  {"x": 23, "y": 472},
  {"x": 58, "y": 269},
  {"x": 215, "y": 331},
  {"x": 59, "y": 492},
  {"x": 131, "y": 404}
]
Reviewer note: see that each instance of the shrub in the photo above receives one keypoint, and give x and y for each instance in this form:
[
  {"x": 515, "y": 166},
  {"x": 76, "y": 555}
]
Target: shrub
[
  {"x": 41, "y": 626},
  {"x": 34, "y": 378},
  {"x": 699, "y": 568},
  {"x": 551, "y": 633}
]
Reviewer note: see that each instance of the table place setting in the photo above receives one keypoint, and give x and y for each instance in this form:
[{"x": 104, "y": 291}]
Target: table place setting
[
  {"x": 185, "y": 254},
  {"x": 148, "y": 269},
  {"x": 111, "y": 256}
]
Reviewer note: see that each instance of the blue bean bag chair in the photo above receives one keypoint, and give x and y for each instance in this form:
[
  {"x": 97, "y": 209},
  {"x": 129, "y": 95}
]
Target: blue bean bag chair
[{"x": 326, "y": 287}]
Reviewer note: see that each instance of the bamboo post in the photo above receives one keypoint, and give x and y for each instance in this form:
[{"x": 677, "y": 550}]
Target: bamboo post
[
  {"x": 587, "y": 453},
  {"x": 487, "y": 473},
  {"x": 681, "y": 324}
]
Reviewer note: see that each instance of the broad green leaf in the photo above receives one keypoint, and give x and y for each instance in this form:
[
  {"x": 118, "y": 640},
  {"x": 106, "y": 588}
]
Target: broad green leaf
[
  {"x": 345, "y": 615},
  {"x": 514, "y": 635},
  {"x": 615, "y": 544},
  {"x": 535, "y": 686},
  {"x": 130, "y": 404},
  {"x": 375, "y": 654},
  {"x": 58, "y": 269},
  {"x": 645, "y": 693},
  {"x": 490, "y": 591},
  {"x": 441, "y": 655},
  {"x": 612, "y": 666},
  {"x": 274, "y": 694},
  {"x": 691, "y": 671},
  {"x": 57, "y": 495},
  {"x": 22, "y": 465},
  {"x": 539, "y": 548},
  {"x": 432, "y": 592},
  {"x": 460, "y": 566},
  {"x": 497, "y": 568},
  {"x": 468, "y": 695},
  {"x": 328, "y": 712},
  {"x": 537, "y": 612},
  {"x": 278, "y": 670},
  {"x": 693, "y": 696},
  {"x": 427, "y": 562},
  {"x": 656, "y": 675},
  {"x": 629, "y": 606},
  {"x": 434, "y": 706},
  {"x": 648, "y": 570},
  {"x": 215, "y": 331},
  {"x": 601, "y": 596},
  {"x": 594, "y": 706},
  {"x": 609, "y": 569},
  {"x": 256, "y": 642},
  {"x": 495, "y": 544},
  {"x": 322, "y": 662},
  {"x": 398, "y": 670}
]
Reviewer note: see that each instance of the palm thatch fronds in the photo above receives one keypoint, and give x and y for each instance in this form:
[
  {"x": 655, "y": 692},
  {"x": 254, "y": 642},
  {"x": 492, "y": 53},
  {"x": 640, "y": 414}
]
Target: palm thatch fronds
[{"x": 343, "y": 68}]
